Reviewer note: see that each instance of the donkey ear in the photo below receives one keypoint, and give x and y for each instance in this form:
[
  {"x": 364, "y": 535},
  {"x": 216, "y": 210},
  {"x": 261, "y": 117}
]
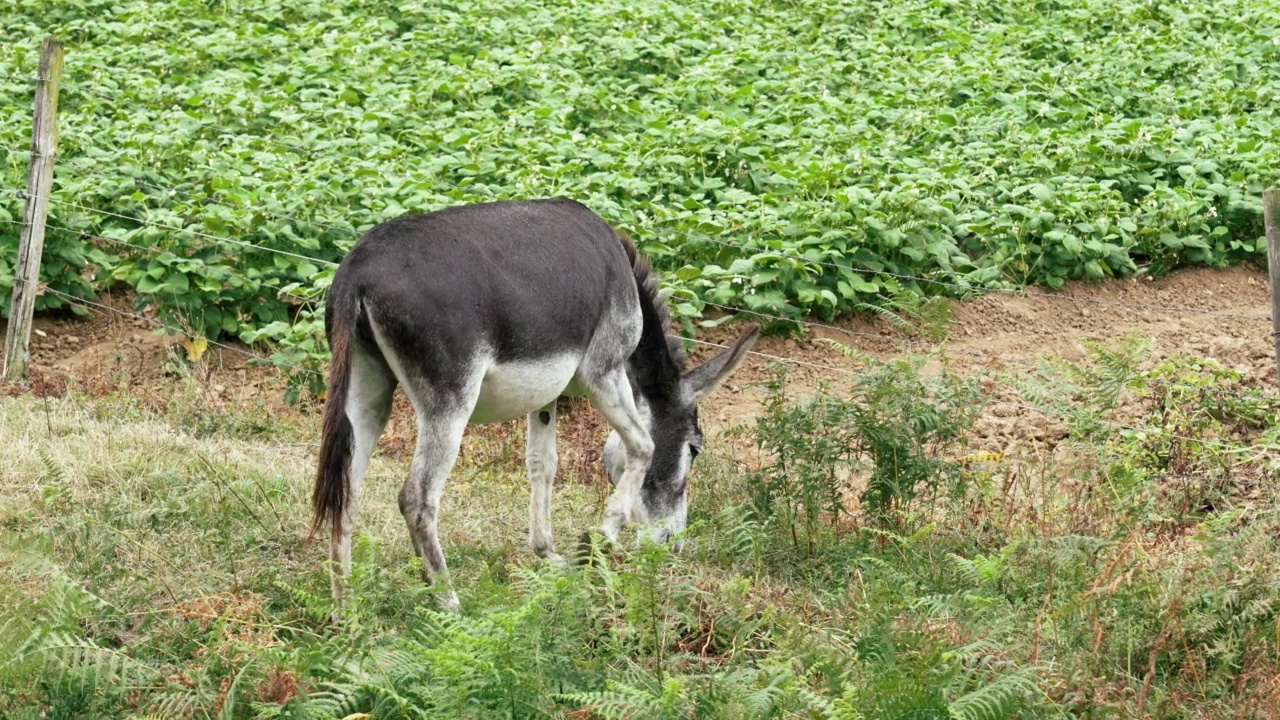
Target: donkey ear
[{"x": 705, "y": 378}]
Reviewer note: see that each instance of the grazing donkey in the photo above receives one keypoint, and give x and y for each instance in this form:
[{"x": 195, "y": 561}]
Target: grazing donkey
[{"x": 487, "y": 312}]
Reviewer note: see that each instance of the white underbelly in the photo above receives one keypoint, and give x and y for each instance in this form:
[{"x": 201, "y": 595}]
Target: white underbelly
[{"x": 514, "y": 389}]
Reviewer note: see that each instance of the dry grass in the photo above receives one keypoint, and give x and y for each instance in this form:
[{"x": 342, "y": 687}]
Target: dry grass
[{"x": 110, "y": 457}]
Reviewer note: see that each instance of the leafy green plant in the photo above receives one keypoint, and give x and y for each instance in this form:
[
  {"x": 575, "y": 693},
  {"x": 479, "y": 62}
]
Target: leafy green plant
[
  {"x": 1085, "y": 394},
  {"x": 896, "y": 431},
  {"x": 1193, "y": 403},
  {"x": 149, "y": 567}
]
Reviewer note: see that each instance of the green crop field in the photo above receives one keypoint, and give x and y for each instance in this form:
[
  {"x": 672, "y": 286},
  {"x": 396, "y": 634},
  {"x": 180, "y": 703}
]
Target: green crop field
[
  {"x": 800, "y": 159},
  {"x": 743, "y": 144}
]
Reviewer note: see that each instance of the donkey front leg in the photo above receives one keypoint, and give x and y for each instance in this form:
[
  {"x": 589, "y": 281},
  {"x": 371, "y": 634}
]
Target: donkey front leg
[
  {"x": 612, "y": 397},
  {"x": 438, "y": 442},
  {"x": 541, "y": 461}
]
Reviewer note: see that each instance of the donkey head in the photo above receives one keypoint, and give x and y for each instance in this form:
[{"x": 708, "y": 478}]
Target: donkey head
[{"x": 670, "y": 407}]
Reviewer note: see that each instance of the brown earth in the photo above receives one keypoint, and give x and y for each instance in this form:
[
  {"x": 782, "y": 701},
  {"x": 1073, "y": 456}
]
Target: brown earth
[{"x": 1223, "y": 315}]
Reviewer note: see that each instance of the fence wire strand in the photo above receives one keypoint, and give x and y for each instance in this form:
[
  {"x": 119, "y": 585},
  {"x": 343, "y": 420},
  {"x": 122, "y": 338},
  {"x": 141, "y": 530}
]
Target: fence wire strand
[
  {"x": 189, "y": 231},
  {"x": 727, "y": 308},
  {"x": 224, "y": 131},
  {"x": 384, "y": 169},
  {"x": 176, "y": 330},
  {"x": 1221, "y": 392},
  {"x": 779, "y": 358},
  {"x": 205, "y": 198},
  {"x": 980, "y": 290},
  {"x": 152, "y": 250},
  {"x": 1030, "y": 408},
  {"x": 704, "y": 238}
]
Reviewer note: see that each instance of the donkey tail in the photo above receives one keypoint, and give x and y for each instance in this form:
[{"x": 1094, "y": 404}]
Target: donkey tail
[{"x": 331, "y": 495}]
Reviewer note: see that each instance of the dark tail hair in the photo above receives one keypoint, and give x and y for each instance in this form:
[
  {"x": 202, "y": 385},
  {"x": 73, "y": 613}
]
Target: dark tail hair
[{"x": 332, "y": 492}]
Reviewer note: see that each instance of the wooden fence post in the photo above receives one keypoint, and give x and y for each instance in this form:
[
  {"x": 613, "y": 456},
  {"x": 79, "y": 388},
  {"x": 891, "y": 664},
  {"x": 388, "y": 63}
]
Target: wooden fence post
[
  {"x": 1271, "y": 216},
  {"x": 26, "y": 273}
]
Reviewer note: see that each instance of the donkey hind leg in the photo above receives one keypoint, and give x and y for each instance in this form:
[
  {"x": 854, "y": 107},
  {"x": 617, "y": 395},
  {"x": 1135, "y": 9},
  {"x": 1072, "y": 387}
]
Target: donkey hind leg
[
  {"x": 368, "y": 408},
  {"x": 439, "y": 438},
  {"x": 611, "y": 395},
  {"x": 541, "y": 461}
]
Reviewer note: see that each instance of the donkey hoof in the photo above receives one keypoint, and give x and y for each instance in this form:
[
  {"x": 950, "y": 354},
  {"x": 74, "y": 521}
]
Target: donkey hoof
[
  {"x": 449, "y": 603},
  {"x": 590, "y": 544},
  {"x": 612, "y": 525}
]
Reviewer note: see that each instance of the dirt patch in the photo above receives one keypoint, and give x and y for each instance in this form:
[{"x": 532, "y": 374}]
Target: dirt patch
[{"x": 1221, "y": 314}]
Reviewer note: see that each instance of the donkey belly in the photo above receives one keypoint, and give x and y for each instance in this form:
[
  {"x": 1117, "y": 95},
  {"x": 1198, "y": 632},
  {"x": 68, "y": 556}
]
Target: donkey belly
[{"x": 514, "y": 389}]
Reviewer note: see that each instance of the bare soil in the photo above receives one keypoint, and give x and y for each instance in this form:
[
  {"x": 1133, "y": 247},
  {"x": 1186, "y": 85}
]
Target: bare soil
[{"x": 1220, "y": 314}]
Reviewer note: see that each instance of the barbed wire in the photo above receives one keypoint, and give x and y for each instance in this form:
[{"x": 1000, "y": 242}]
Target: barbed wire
[
  {"x": 779, "y": 358},
  {"x": 87, "y": 90},
  {"x": 979, "y": 290},
  {"x": 189, "y": 231},
  {"x": 864, "y": 271},
  {"x": 135, "y": 316},
  {"x": 259, "y": 284},
  {"x": 836, "y": 328},
  {"x": 383, "y": 169},
  {"x": 1223, "y": 392},
  {"x": 208, "y": 199},
  {"x": 152, "y": 250},
  {"x": 256, "y": 285},
  {"x": 1030, "y": 408},
  {"x": 33, "y": 78},
  {"x": 687, "y": 235},
  {"x": 728, "y": 308}
]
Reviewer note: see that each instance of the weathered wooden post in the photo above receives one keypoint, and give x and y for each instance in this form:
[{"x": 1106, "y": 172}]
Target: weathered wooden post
[
  {"x": 1271, "y": 216},
  {"x": 26, "y": 274}
]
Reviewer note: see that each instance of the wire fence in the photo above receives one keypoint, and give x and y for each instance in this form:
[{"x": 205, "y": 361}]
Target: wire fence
[
  {"x": 684, "y": 234},
  {"x": 744, "y": 250},
  {"x": 100, "y": 307},
  {"x": 876, "y": 337},
  {"x": 1115, "y": 425},
  {"x": 1273, "y": 453}
]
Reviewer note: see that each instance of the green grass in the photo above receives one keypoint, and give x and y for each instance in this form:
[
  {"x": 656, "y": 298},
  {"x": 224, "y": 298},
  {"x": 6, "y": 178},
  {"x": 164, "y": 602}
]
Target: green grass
[
  {"x": 980, "y": 144},
  {"x": 154, "y": 566}
]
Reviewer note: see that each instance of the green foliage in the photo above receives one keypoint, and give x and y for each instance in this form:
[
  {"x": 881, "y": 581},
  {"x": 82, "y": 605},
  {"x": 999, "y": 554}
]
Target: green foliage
[
  {"x": 1085, "y": 393},
  {"x": 779, "y": 157},
  {"x": 1186, "y": 407},
  {"x": 896, "y": 430},
  {"x": 1193, "y": 403}
]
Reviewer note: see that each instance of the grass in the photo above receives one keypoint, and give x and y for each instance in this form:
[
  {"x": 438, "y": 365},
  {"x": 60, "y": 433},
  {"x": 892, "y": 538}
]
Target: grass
[{"x": 153, "y": 565}]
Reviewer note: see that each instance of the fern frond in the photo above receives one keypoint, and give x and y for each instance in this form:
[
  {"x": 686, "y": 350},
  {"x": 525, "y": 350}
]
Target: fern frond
[
  {"x": 994, "y": 701},
  {"x": 622, "y": 701},
  {"x": 54, "y": 472}
]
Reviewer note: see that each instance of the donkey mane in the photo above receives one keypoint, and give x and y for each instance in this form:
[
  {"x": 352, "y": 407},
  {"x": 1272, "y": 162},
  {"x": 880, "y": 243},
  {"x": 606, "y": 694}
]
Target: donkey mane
[{"x": 657, "y": 373}]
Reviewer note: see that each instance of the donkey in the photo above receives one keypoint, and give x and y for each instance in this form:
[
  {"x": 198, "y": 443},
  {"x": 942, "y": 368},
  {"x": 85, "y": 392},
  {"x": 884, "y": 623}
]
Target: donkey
[{"x": 484, "y": 313}]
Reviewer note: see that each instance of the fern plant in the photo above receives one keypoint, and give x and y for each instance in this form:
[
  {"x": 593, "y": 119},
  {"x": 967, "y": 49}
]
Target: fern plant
[
  {"x": 1085, "y": 394},
  {"x": 927, "y": 317}
]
